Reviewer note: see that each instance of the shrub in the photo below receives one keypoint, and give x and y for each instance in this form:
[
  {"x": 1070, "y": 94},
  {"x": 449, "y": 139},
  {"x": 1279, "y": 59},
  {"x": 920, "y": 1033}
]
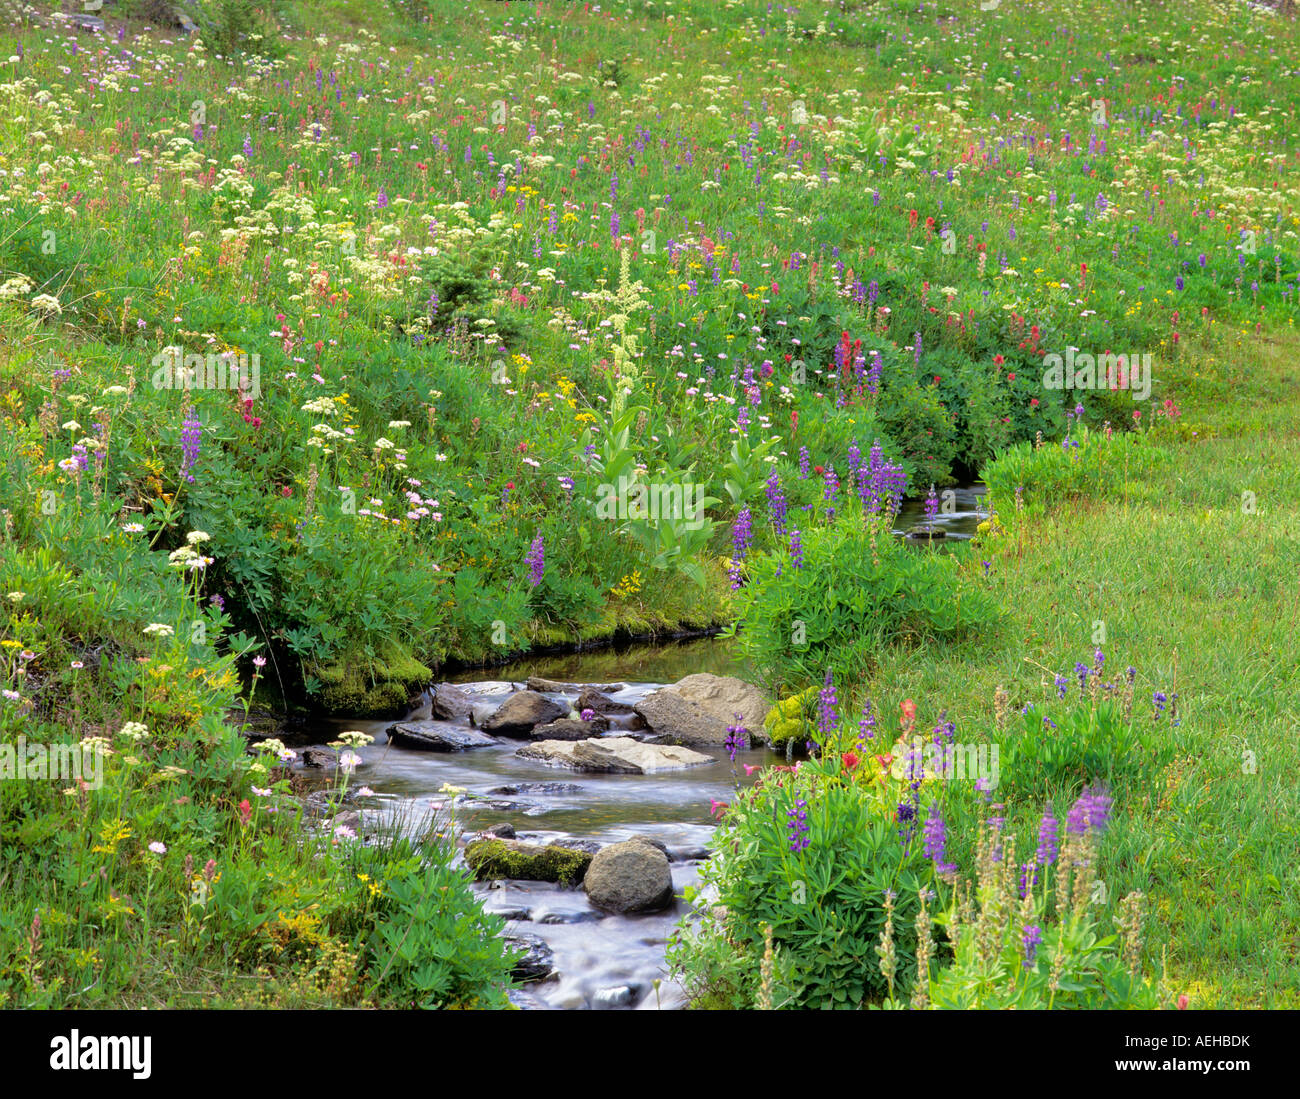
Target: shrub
[
  {"x": 433, "y": 946},
  {"x": 858, "y": 588},
  {"x": 822, "y": 892}
]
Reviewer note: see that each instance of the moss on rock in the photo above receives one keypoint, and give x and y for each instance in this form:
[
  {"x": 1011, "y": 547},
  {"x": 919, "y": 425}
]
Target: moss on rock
[
  {"x": 364, "y": 688},
  {"x": 494, "y": 859}
]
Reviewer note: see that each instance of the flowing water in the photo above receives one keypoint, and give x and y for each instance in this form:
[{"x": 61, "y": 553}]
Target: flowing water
[
  {"x": 968, "y": 511},
  {"x": 599, "y": 960}
]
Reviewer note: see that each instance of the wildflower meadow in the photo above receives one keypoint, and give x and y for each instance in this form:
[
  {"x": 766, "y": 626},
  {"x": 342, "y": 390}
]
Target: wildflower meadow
[{"x": 348, "y": 347}]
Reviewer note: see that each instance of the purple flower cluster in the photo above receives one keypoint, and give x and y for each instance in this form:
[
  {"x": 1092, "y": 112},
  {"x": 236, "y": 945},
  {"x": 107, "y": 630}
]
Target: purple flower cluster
[
  {"x": 797, "y": 824},
  {"x": 829, "y": 719},
  {"x": 936, "y": 842},
  {"x": 881, "y": 481},
  {"x": 742, "y": 537},
  {"x": 737, "y": 738},
  {"x": 796, "y": 549},
  {"x": 931, "y": 504},
  {"x": 1032, "y": 936},
  {"x": 1048, "y": 841},
  {"x": 1090, "y": 811},
  {"x": 804, "y": 460},
  {"x": 191, "y": 438},
  {"x": 536, "y": 559},
  {"x": 867, "y": 726},
  {"x": 828, "y": 493},
  {"x": 776, "y": 502}
]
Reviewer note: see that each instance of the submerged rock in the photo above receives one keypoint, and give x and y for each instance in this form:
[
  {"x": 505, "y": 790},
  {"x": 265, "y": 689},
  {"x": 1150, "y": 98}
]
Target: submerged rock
[
  {"x": 619, "y": 996},
  {"x": 630, "y": 877},
  {"x": 497, "y": 858},
  {"x": 535, "y": 960},
  {"x": 538, "y": 788},
  {"x": 437, "y": 736},
  {"x": 554, "y": 686},
  {"x": 927, "y": 533},
  {"x": 450, "y": 703},
  {"x": 592, "y": 699},
  {"x": 619, "y": 755},
  {"x": 698, "y": 709},
  {"x": 503, "y": 831},
  {"x": 520, "y": 712},
  {"x": 568, "y": 729}
]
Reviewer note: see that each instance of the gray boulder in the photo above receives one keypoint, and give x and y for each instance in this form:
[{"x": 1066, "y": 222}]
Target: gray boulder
[
  {"x": 698, "y": 709},
  {"x": 629, "y": 877},
  {"x": 437, "y": 736},
  {"x": 618, "y": 755},
  {"x": 450, "y": 703},
  {"x": 520, "y": 712},
  {"x": 568, "y": 729},
  {"x": 592, "y": 699}
]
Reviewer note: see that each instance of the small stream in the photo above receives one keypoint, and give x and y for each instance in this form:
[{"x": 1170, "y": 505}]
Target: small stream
[{"x": 599, "y": 960}]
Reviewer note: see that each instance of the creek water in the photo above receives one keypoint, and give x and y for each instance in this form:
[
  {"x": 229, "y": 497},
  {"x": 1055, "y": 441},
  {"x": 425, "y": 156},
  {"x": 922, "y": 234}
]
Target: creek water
[{"x": 599, "y": 960}]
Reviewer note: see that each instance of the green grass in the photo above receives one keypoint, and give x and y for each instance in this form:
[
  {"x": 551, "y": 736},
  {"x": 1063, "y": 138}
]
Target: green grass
[{"x": 1201, "y": 598}]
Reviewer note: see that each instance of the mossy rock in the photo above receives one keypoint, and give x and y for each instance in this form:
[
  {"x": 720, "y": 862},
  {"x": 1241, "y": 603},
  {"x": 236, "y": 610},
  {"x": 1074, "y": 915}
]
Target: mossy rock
[
  {"x": 383, "y": 687},
  {"x": 789, "y": 718},
  {"x": 492, "y": 860}
]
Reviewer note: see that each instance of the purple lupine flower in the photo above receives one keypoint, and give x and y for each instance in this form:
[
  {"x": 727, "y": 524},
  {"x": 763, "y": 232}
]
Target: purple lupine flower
[
  {"x": 873, "y": 375},
  {"x": 1081, "y": 670},
  {"x": 935, "y": 832},
  {"x": 828, "y": 720},
  {"x": 797, "y": 825},
  {"x": 1098, "y": 659},
  {"x": 191, "y": 438},
  {"x": 867, "y": 726},
  {"x": 1048, "y": 840},
  {"x": 742, "y": 537},
  {"x": 737, "y": 737},
  {"x": 1028, "y": 878},
  {"x": 832, "y": 486},
  {"x": 931, "y": 504},
  {"x": 803, "y": 463},
  {"x": 1031, "y": 937},
  {"x": 536, "y": 559},
  {"x": 248, "y": 146},
  {"x": 796, "y": 549},
  {"x": 916, "y": 349},
  {"x": 1158, "y": 701},
  {"x": 855, "y": 459},
  {"x": 776, "y": 502},
  {"x": 1090, "y": 810},
  {"x": 381, "y": 199},
  {"x": 1062, "y": 685}
]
